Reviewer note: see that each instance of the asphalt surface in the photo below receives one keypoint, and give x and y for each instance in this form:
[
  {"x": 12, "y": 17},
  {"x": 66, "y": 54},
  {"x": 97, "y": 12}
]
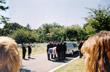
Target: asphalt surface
[{"x": 40, "y": 63}]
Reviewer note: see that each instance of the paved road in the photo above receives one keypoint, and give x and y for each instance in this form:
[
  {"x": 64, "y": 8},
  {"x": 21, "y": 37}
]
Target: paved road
[{"x": 39, "y": 63}]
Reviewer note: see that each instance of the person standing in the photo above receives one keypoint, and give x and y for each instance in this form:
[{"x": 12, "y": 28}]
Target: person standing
[
  {"x": 23, "y": 50},
  {"x": 48, "y": 47},
  {"x": 80, "y": 45},
  {"x": 61, "y": 49},
  {"x": 29, "y": 50},
  {"x": 64, "y": 50},
  {"x": 58, "y": 50}
]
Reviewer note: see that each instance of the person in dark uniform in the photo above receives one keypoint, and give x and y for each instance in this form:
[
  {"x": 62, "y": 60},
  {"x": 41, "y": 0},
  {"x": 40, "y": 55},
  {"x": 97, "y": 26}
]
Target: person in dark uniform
[
  {"x": 58, "y": 50},
  {"x": 64, "y": 50},
  {"x": 23, "y": 50},
  {"x": 61, "y": 50},
  {"x": 29, "y": 51},
  {"x": 80, "y": 45},
  {"x": 48, "y": 46}
]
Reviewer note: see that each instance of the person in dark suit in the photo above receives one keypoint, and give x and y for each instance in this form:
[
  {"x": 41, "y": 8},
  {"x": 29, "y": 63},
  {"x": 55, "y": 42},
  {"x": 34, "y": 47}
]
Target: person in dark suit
[
  {"x": 61, "y": 50},
  {"x": 48, "y": 46},
  {"x": 58, "y": 49},
  {"x": 64, "y": 50},
  {"x": 29, "y": 51},
  {"x": 23, "y": 50},
  {"x": 80, "y": 45}
]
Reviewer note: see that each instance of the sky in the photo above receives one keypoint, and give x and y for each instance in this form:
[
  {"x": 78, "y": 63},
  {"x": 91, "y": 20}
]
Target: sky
[{"x": 38, "y": 12}]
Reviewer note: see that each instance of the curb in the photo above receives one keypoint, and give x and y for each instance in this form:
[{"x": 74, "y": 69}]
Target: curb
[{"x": 62, "y": 65}]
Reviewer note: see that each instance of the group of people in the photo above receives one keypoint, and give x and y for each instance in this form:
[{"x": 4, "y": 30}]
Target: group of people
[
  {"x": 56, "y": 50},
  {"x": 24, "y": 50},
  {"x": 96, "y": 51}
]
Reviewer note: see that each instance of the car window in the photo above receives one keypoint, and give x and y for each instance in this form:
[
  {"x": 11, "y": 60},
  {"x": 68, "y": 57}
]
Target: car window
[
  {"x": 74, "y": 45},
  {"x": 69, "y": 45}
]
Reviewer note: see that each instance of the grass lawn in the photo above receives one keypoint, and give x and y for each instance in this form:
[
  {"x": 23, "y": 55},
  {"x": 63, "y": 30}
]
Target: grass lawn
[
  {"x": 35, "y": 50},
  {"x": 75, "y": 66}
]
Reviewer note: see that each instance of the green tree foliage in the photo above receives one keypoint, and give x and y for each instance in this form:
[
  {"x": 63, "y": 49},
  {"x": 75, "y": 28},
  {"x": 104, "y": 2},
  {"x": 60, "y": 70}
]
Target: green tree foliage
[
  {"x": 28, "y": 27},
  {"x": 98, "y": 19},
  {"x": 24, "y": 36},
  {"x": 55, "y": 32},
  {"x": 3, "y": 20},
  {"x": 50, "y": 32},
  {"x": 74, "y": 32},
  {"x": 2, "y": 7},
  {"x": 10, "y": 28}
]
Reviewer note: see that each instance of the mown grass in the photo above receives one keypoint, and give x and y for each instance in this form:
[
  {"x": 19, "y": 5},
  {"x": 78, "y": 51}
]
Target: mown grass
[
  {"x": 75, "y": 66},
  {"x": 35, "y": 50}
]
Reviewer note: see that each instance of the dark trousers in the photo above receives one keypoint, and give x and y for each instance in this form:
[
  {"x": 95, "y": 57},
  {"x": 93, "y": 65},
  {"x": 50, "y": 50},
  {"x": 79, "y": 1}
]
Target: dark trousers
[
  {"x": 61, "y": 54},
  {"x": 64, "y": 54},
  {"x": 24, "y": 53},
  {"x": 52, "y": 56},
  {"x": 48, "y": 56},
  {"x": 58, "y": 54},
  {"x": 80, "y": 54}
]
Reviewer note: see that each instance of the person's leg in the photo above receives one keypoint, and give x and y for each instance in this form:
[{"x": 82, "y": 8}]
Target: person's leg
[
  {"x": 58, "y": 55},
  {"x": 24, "y": 53},
  {"x": 79, "y": 54},
  {"x": 48, "y": 55},
  {"x": 64, "y": 54},
  {"x": 29, "y": 55},
  {"x": 52, "y": 56}
]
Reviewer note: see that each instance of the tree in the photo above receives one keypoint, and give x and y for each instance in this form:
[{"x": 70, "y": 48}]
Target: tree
[
  {"x": 74, "y": 32},
  {"x": 2, "y": 7},
  {"x": 28, "y": 26},
  {"x": 48, "y": 32},
  {"x": 10, "y": 28},
  {"x": 99, "y": 19},
  {"x": 56, "y": 34},
  {"x": 24, "y": 36},
  {"x": 3, "y": 20}
]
